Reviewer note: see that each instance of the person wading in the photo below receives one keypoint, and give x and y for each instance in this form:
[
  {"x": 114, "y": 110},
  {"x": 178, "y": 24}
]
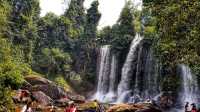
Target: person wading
[{"x": 187, "y": 108}]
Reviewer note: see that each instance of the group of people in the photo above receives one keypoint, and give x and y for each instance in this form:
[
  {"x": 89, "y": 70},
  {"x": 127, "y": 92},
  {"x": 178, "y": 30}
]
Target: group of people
[{"x": 191, "y": 107}]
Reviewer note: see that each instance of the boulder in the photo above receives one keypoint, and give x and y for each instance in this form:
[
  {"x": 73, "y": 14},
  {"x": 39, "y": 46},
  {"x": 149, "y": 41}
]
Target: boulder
[
  {"x": 42, "y": 98},
  {"x": 36, "y": 80},
  {"x": 76, "y": 98},
  {"x": 63, "y": 102},
  {"x": 51, "y": 90}
]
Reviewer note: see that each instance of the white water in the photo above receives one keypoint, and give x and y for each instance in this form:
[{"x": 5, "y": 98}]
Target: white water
[
  {"x": 127, "y": 70},
  {"x": 139, "y": 75},
  {"x": 111, "y": 95},
  {"x": 189, "y": 86},
  {"x": 107, "y": 76},
  {"x": 103, "y": 79}
]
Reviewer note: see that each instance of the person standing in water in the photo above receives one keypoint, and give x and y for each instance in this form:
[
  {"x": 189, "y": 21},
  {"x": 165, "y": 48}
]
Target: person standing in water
[{"x": 187, "y": 108}]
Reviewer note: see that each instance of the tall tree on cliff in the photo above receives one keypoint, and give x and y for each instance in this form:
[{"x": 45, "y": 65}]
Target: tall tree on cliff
[
  {"x": 23, "y": 26},
  {"x": 123, "y": 32},
  {"x": 85, "y": 48},
  {"x": 76, "y": 14},
  {"x": 92, "y": 19}
]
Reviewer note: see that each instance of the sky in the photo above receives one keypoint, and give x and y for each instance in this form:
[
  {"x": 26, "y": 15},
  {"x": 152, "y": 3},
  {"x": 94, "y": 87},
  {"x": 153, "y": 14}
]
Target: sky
[{"x": 110, "y": 9}]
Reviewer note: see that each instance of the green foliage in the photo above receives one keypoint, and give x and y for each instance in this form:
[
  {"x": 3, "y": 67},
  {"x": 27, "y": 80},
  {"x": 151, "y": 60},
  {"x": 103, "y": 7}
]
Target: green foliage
[
  {"x": 178, "y": 41},
  {"x": 10, "y": 76},
  {"x": 126, "y": 20},
  {"x": 22, "y": 26},
  {"x": 171, "y": 83},
  {"x": 178, "y": 28},
  {"x": 92, "y": 19},
  {"x": 55, "y": 61},
  {"x": 76, "y": 14},
  {"x": 63, "y": 83},
  {"x": 4, "y": 12}
]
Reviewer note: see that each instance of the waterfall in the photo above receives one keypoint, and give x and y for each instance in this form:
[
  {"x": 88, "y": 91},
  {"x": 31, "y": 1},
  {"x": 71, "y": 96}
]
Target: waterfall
[
  {"x": 111, "y": 95},
  {"x": 104, "y": 71},
  {"x": 189, "y": 85},
  {"x": 107, "y": 80},
  {"x": 127, "y": 69},
  {"x": 139, "y": 75}
]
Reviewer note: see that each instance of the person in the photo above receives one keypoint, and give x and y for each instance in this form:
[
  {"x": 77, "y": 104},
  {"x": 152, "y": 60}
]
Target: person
[
  {"x": 27, "y": 108},
  {"x": 194, "y": 109},
  {"x": 71, "y": 107},
  {"x": 148, "y": 101},
  {"x": 52, "y": 109},
  {"x": 187, "y": 108}
]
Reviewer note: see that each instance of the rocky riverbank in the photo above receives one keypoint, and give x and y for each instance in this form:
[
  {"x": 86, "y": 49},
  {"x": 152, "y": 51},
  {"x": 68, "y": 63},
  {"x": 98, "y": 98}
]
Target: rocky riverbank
[{"x": 47, "y": 94}]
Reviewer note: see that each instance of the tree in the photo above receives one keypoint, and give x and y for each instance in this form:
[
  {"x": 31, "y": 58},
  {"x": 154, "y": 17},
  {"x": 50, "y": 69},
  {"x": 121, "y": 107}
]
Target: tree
[
  {"x": 23, "y": 25},
  {"x": 179, "y": 33},
  {"x": 55, "y": 62},
  {"x": 92, "y": 19},
  {"x": 10, "y": 74},
  {"x": 125, "y": 20},
  {"x": 177, "y": 26},
  {"x": 76, "y": 14},
  {"x": 4, "y": 14}
]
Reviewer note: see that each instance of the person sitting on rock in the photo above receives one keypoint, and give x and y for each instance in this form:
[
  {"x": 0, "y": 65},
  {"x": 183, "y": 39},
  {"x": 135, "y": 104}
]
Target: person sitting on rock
[{"x": 187, "y": 108}]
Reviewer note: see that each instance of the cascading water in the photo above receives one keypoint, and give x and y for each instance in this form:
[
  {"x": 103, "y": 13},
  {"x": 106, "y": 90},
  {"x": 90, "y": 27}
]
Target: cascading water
[
  {"x": 111, "y": 95},
  {"x": 107, "y": 80},
  {"x": 139, "y": 75},
  {"x": 190, "y": 90},
  {"x": 127, "y": 70},
  {"x": 104, "y": 71}
]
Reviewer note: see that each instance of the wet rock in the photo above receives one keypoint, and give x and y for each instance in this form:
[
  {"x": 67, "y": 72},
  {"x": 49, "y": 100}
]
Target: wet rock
[
  {"x": 76, "y": 98},
  {"x": 51, "y": 90},
  {"x": 166, "y": 101},
  {"x": 133, "y": 108},
  {"x": 42, "y": 98}
]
